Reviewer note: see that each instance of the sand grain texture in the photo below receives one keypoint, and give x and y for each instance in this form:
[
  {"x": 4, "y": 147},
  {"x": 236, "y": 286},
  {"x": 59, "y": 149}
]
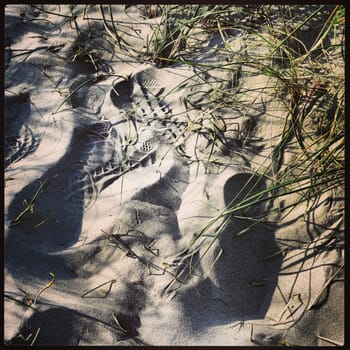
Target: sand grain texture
[{"x": 107, "y": 191}]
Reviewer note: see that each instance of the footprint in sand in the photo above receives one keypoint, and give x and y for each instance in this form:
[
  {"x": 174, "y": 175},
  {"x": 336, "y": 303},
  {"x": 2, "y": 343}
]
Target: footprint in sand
[{"x": 19, "y": 140}]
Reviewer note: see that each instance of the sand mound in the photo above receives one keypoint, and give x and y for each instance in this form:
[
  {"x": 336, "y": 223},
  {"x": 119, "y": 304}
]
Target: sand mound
[{"x": 126, "y": 213}]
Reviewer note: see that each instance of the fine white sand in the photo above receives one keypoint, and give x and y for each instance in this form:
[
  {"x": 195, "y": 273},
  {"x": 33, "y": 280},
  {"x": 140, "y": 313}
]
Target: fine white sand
[{"x": 124, "y": 187}]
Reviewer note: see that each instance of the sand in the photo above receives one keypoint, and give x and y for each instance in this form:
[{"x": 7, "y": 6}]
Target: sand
[{"x": 105, "y": 192}]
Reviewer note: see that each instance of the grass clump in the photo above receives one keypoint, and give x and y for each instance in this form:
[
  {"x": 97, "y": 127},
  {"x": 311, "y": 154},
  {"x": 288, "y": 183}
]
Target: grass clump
[
  {"x": 300, "y": 53},
  {"x": 306, "y": 70}
]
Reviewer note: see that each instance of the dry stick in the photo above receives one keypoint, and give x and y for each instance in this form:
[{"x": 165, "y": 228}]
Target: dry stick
[
  {"x": 35, "y": 337},
  {"x": 25, "y": 339},
  {"x": 32, "y": 201},
  {"x": 239, "y": 324},
  {"x": 119, "y": 327},
  {"x": 290, "y": 307},
  {"x": 20, "y": 302},
  {"x": 99, "y": 286},
  {"x": 279, "y": 252},
  {"x": 337, "y": 343},
  {"x": 29, "y": 298},
  {"x": 121, "y": 244},
  {"x": 216, "y": 259},
  {"x": 47, "y": 286},
  {"x": 121, "y": 188},
  {"x": 42, "y": 222},
  {"x": 251, "y": 333}
]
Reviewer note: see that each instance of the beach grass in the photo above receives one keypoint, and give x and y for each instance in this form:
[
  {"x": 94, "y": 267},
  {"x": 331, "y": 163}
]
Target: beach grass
[
  {"x": 311, "y": 77},
  {"x": 306, "y": 77},
  {"x": 303, "y": 73}
]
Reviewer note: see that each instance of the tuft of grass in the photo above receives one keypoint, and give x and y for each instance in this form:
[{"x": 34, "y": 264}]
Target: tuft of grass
[
  {"x": 311, "y": 79},
  {"x": 306, "y": 77}
]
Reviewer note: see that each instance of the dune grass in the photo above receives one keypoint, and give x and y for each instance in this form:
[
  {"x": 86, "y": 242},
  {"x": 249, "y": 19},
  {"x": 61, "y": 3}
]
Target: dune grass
[
  {"x": 305, "y": 76},
  {"x": 311, "y": 77}
]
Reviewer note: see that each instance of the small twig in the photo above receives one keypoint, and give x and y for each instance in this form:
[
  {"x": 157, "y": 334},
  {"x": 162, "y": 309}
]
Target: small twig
[
  {"x": 42, "y": 222},
  {"x": 19, "y": 302},
  {"x": 251, "y": 333},
  {"x": 29, "y": 298},
  {"x": 119, "y": 327},
  {"x": 99, "y": 286},
  {"x": 47, "y": 286},
  {"x": 239, "y": 324},
  {"x": 156, "y": 267},
  {"x": 35, "y": 337},
  {"x": 290, "y": 307},
  {"x": 30, "y": 205},
  {"x": 216, "y": 259},
  {"x": 281, "y": 251},
  {"x": 337, "y": 343},
  {"x": 25, "y": 339},
  {"x": 148, "y": 247}
]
